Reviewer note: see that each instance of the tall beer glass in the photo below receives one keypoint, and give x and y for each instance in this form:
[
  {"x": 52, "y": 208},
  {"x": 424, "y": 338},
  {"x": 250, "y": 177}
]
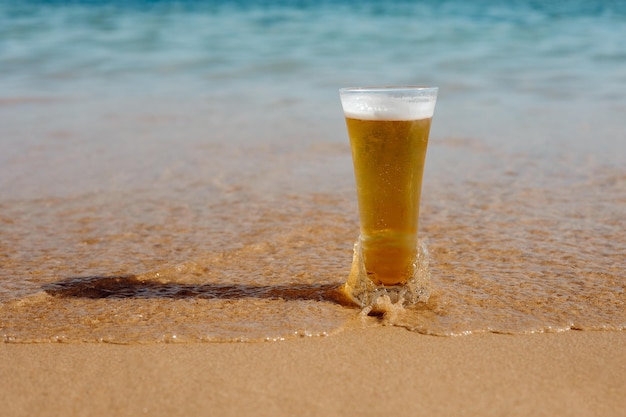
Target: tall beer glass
[{"x": 388, "y": 129}]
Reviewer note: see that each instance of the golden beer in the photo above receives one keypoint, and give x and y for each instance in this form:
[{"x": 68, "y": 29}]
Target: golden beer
[
  {"x": 388, "y": 129},
  {"x": 388, "y": 157}
]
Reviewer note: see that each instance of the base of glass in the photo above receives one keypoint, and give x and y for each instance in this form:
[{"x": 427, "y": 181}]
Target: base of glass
[{"x": 365, "y": 293}]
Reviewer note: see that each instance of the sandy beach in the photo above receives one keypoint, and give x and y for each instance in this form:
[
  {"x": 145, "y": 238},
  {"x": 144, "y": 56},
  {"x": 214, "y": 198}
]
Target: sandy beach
[
  {"x": 178, "y": 206},
  {"x": 374, "y": 371}
]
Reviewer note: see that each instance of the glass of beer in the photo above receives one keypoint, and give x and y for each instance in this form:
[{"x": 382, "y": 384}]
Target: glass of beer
[{"x": 388, "y": 129}]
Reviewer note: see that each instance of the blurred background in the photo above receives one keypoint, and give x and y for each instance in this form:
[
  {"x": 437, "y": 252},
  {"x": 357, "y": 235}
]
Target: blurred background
[{"x": 536, "y": 75}]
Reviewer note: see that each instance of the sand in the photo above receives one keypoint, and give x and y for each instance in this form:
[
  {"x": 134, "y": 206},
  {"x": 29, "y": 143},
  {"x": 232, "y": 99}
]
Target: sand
[{"x": 372, "y": 371}]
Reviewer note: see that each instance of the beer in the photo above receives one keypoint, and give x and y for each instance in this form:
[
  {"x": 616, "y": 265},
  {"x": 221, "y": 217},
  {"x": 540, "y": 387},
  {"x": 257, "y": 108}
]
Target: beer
[
  {"x": 388, "y": 158},
  {"x": 388, "y": 137}
]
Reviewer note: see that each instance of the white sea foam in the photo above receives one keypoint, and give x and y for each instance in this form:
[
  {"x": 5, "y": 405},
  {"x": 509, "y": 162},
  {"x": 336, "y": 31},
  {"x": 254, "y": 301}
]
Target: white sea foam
[{"x": 388, "y": 106}]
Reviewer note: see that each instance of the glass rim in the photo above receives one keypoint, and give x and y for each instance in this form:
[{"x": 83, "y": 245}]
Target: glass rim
[{"x": 389, "y": 89}]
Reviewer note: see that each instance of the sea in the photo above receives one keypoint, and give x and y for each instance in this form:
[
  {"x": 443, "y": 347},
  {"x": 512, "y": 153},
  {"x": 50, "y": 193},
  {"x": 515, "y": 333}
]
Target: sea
[{"x": 180, "y": 171}]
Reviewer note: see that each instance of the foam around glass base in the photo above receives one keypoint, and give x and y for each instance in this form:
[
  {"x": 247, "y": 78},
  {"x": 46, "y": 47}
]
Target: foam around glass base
[{"x": 360, "y": 289}]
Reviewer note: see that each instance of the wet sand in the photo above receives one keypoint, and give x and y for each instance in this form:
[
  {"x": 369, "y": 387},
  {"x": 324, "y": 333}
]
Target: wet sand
[{"x": 373, "y": 371}]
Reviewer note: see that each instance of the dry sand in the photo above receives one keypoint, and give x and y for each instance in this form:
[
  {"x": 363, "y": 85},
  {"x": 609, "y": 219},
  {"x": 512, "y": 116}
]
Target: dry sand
[{"x": 375, "y": 371}]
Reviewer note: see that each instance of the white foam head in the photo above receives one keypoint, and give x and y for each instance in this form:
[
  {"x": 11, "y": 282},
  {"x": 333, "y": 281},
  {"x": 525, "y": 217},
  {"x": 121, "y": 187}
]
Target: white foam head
[{"x": 389, "y": 103}]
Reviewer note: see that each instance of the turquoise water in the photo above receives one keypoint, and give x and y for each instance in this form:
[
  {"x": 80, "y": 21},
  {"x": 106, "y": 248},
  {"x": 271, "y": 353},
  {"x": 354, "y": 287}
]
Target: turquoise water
[
  {"x": 531, "y": 50},
  {"x": 488, "y": 58},
  {"x": 180, "y": 170}
]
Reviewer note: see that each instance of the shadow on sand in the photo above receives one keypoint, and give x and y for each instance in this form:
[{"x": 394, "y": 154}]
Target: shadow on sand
[{"x": 131, "y": 286}]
